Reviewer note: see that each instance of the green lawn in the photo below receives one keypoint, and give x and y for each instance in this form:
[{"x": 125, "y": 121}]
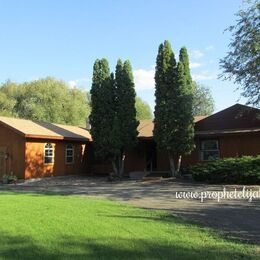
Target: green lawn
[{"x": 67, "y": 227}]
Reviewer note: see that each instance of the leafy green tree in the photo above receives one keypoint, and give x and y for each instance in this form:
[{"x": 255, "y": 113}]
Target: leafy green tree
[
  {"x": 77, "y": 109},
  {"x": 48, "y": 99},
  {"x": 43, "y": 99},
  {"x": 203, "y": 103},
  {"x": 242, "y": 62},
  {"x": 11, "y": 89},
  {"x": 125, "y": 109},
  {"x": 173, "y": 130},
  {"x": 8, "y": 95},
  {"x": 52, "y": 100},
  {"x": 6, "y": 105},
  {"x": 143, "y": 110}
]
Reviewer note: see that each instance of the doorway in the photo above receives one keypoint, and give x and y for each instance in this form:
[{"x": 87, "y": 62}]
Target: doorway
[{"x": 151, "y": 156}]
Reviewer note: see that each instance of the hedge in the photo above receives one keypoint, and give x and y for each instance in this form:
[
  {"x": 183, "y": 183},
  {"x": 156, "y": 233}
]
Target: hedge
[{"x": 239, "y": 170}]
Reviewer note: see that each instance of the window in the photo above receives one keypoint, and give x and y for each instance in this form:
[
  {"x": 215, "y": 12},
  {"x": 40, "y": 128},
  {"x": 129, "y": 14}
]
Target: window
[
  {"x": 69, "y": 154},
  {"x": 48, "y": 153},
  {"x": 209, "y": 150}
]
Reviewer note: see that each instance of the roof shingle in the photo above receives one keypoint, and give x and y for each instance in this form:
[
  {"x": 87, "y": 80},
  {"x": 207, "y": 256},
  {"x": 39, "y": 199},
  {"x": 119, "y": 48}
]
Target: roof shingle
[
  {"x": 35, "y": 129},
  {"x": 145, "y": 127}
]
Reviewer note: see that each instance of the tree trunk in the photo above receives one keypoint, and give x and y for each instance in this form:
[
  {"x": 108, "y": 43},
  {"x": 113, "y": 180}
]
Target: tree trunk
[
  {"x": 114, "y": 167},
  {"x": 172, "y": 165},
  {"x": 178, "y": 165},
  {"x": 122, "y": 165}
]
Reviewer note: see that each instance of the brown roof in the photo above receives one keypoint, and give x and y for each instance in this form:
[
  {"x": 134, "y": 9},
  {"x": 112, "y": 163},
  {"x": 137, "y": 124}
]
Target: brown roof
[
  {"x": 145, "y": 127},
  {"x": 235, "y": 117},
  {"x": 35, "y": 129}
]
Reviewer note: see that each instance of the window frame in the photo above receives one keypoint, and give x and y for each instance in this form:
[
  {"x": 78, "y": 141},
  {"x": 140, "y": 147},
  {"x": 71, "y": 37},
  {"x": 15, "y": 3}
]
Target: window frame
[
  {"x": 52, "y": 148},
  {"x": 203, "y": 150},
  {"x": 70, "y": 156}
]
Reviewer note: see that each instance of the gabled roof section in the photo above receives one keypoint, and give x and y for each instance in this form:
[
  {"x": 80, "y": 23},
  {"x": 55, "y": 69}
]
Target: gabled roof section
[
  {"x": 43, "y": 130},
  {"x": 234, "y": 118},
  {"x": 145, "y": 127}
]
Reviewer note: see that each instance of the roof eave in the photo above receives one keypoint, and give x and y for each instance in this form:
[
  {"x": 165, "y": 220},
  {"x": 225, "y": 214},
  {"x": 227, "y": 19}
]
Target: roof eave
[
  {"x": 49, "y": 137},
  {"x": 13, "y": 129}
]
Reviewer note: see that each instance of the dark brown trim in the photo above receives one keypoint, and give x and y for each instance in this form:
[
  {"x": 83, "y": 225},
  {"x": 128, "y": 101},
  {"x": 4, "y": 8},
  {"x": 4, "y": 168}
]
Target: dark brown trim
[
  {"x": 57, "y": 138},
  {"x": 228, "y": 131},
  {"x": 145, "y": 138}
]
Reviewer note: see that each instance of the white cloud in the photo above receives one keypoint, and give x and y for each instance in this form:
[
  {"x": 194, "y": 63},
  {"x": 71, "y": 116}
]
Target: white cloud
[
  {"x": 197, "y": 54},
  {"x": 209, "y": 48},
  {"x": 78, "y": 82},
  {"x": 144, "y": 79},
  {"x": 194, "y": 65},
  {"x": 72, "y": 83},
  {"x": 204, "y": 75}
]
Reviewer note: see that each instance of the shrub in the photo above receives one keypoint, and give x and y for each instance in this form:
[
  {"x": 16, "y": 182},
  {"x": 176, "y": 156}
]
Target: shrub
[
  {"x": 240, "y": 170},
  {"x": 9, "y": 178}
]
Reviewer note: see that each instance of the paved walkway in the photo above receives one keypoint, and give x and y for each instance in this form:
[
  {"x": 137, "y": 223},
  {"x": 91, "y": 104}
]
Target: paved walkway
[{"x": 239, "y": 219}]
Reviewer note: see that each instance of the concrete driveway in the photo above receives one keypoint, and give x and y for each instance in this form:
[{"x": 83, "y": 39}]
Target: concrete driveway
[{"x": 236, "y": 218}]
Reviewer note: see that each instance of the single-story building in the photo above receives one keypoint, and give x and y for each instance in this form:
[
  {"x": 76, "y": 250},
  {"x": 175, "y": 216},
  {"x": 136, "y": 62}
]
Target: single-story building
[{"x": 33, "y": 149}]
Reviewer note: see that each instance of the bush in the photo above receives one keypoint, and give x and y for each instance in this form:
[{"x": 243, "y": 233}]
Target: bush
[
  {"x": 243, "y": 170},
  {"x": 9, "y": 179}
]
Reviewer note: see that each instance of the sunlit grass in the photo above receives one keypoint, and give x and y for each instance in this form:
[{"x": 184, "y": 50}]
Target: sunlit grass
[{"x": 60, "y": 227}]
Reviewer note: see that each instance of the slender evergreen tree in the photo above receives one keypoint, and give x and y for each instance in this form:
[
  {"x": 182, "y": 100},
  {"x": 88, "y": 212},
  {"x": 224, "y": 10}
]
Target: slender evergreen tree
[
  {"x": 125, "y": 109},
  {"x": 173, "y": 129},
  {"x": 184, "y": 58},
  {"x": 187, "y": 92},
  {"x": 103, "y": 120},
  {"x": 113, "y": 116},
  {"x": 184, "y": 135}
]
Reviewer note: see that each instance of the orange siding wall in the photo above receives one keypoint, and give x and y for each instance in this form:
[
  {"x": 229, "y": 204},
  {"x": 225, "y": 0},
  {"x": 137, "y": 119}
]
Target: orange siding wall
[
  {"x": 34, "y": 156},
  {"x": 229, "y": 145},
  {"x": 238, "y": 145},
  {"x": 134, "y": 161},
  {"x": 14, "y": 144}
]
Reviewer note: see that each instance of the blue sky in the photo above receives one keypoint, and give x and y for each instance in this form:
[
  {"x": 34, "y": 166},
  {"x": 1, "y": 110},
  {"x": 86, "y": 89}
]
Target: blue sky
[{"x": 62, "y": 38}]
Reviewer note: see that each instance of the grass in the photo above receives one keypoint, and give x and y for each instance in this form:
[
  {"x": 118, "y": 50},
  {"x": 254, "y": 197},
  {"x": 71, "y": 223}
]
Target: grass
[{"x": 69, "y": 227}]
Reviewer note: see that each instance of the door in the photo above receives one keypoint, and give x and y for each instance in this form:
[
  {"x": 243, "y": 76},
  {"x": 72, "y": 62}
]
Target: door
[
  {"x": 2, "y": 162},
  {"x": 151, "y": 156}
]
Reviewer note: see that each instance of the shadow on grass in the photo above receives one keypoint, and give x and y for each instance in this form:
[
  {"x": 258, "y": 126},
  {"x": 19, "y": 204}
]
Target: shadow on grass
[
  {"x": 238, "y": 222},
  {"x": 24, "y": 247}
]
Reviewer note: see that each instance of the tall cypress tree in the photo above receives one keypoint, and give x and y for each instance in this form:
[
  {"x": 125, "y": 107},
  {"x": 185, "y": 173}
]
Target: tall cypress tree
[
  {"x": 103, "y": 120},
  {"x": 184, "y": 58},
  {"x": 184, "y": 136},
  {"x": 164, "y": 82},
  {"x": 187, "y": 94},
  {"x": 113, "y": 116},
  {"x": 173, "y": 128},
  {"x": 128, "y": 110},
  {"x": 125, "y": 109}
]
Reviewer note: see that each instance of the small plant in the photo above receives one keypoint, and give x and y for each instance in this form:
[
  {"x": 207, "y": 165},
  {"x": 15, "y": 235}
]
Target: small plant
[
  {"x": 113, "y": 177},
  {"x": 9, "y": 178}
]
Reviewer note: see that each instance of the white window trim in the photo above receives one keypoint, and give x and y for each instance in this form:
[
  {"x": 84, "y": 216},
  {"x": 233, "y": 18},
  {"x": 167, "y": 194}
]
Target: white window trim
[
  {"x": 73, "y": 153},
  {"x": 208, "y": 150},
  {"x": 48, "y": 156}
]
